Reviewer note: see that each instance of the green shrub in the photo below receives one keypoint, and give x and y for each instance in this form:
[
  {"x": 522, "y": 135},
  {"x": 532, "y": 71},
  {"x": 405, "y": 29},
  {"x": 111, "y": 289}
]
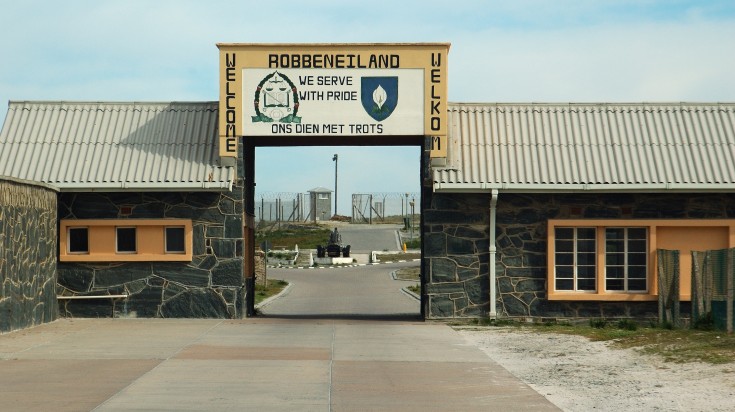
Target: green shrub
[
  {"x": 627, "y": 324},
  {"x": 598, "y": 323}
]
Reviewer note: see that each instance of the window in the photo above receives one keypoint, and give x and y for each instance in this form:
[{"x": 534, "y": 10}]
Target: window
[
  {"x": 323, "y": 196},
  {"x": 126, "y": 240},
  {"x": 175, "y": 240},
  {"x": 576, "y": 267},
  {"x": 626, "y": 256},
  {"x": 78, "y": 240},
  {"x": 615, "y": 259}
]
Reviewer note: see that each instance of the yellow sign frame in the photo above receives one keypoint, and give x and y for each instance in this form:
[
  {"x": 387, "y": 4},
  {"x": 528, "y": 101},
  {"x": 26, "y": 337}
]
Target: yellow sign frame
[{"x": 234, "y": 57}]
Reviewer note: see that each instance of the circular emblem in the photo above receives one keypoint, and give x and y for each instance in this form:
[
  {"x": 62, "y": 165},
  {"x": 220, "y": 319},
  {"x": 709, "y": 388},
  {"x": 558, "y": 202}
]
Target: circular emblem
[{"x": 276, "y": 100}]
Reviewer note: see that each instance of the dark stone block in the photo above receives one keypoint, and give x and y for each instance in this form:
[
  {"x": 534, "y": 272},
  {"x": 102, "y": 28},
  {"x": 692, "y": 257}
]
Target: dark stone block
[
  {"x": 233, "y": 227},
  {"x": 227, "y": 206},
  {"x": 454, "y": 217},
  {"x": 549, "y": 309},
  {"x": 519, "y": 272},
  {"x": 443, "y": 270},
  {"x": 534, "y": 260},
  {"x": 601, "y": 212},
  {"x": 93, "y": 206},
  {"x": 467, "y": 273},
  {"x": 504, "y": 242},
  {"x": 88, "y": 308},
  {"x": 125, "y": 198},
  {"x": 441, "y": 307},
  {"x": 539, "y": 246},
  {"x": 460, "y": 246},
  {"x": 467, "y": 260},
  {"x": 223, "y": 248},
  {"x": 516, "y": 241},
  {"x": 528, "y": 216},
  {"x": 169, "y": 198},
  {"x": 440, "y": 202},
  {"x": 435, "y": 244},
  {"x": 181, "y": 273},
  {"x": 512, "y": 261},
  {"x": 477, "y": 291},
  {"x": 145, "y": 302},
  {"x": 199, "y": 245},
  {"x": 215, "y": 231},
  {"x": 444, "y": 288},
  {"x": 211, "y": 215},
  {"x": 512, "y": 231},
  {"x": 149, "y": 211},
  {"x": 206, "y": 262},
  {"x": 514, "y": 306},
  {"x": 470, "y": 233},
  {"x": 505, "y": 285},
  {"x": 228, "y": 273},
  {"x": 203, "y": 199},
  {"x": 196, "y": 303},
  {"x": 75, "y": 278},
  {"x": 118, "y": 275}
]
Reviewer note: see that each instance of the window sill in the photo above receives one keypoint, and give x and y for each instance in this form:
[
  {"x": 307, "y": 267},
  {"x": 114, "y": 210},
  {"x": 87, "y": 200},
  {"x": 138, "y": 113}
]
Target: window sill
[
  {"x": 126, "y": 258},
  {"x": 611, "y": 297}
]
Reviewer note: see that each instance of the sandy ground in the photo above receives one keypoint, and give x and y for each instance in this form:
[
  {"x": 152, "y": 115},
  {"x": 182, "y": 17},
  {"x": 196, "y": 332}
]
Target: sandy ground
[{"x": 578, "y": 375}]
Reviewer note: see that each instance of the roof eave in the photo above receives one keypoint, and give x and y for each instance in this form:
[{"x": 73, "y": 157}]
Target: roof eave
[{"x": 441, "y": 187}]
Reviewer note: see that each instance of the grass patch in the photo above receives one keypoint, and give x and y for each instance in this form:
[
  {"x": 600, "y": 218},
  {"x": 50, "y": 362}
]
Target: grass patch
[
  {"x": 275, "y": 286},
  {"x": 415, "y": 289},
  {"x": 413, "y": 243},
  {"x": 671, "y": 344},
  {"x": 411, "y": 273},
  {"x": 306, "y": 236},
  {"x": 395, "y": 257}
]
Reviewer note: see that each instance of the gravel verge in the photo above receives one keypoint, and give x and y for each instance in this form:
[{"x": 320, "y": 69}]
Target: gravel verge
[{"x": 579, "y": 375}]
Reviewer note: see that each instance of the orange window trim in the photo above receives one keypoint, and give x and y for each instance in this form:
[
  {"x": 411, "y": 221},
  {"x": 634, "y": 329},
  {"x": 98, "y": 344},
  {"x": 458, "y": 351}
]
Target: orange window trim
[
  {"x": 150, "y": 240},
  {"x": 653, "y": 244}
]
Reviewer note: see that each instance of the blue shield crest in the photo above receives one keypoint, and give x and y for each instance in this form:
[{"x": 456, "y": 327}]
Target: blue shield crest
[{"x": 379, "y": 96}]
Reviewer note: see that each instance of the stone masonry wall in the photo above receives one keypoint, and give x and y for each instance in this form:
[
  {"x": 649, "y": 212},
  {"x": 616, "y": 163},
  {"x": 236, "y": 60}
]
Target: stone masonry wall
[
  {"x": 456, "y": 243},
  {"x": 208, "y": 286},
  {"x": 456, "y": 249},
  {"x": 27, "y": 255}
]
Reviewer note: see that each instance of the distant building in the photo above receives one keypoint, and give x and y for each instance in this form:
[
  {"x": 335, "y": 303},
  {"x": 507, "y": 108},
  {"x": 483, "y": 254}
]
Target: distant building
[{"x": 320, "y": 204}]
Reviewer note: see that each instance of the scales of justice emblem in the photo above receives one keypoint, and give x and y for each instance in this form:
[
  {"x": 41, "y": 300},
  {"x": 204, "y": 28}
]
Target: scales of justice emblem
[{"x": 276, "y": 100}]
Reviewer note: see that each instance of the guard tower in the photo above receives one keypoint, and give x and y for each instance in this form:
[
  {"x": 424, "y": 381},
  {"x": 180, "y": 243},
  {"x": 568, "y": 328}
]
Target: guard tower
[{"x": 320, "y": 202}]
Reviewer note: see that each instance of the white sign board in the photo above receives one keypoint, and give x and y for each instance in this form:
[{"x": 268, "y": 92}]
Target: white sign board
[{"x": 338, "y": 102}]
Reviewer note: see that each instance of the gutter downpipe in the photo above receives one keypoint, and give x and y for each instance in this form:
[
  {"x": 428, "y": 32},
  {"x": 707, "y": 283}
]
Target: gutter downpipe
[{"x": 493, "y": 209}]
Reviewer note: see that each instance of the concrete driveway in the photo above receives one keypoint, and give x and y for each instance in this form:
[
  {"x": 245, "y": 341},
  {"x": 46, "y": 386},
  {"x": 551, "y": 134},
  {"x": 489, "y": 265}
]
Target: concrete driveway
[{"x": 291, "y": 359}]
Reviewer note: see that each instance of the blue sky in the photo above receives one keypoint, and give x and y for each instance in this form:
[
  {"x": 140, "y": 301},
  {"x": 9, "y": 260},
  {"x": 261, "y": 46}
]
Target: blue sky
[{"x": 502, "y": 51}]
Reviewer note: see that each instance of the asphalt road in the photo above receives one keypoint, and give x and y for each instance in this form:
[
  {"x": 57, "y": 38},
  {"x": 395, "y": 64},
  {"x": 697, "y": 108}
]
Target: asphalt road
[
  {"x": 367, "y": 238},
  {"x": 350, "y": 292}
]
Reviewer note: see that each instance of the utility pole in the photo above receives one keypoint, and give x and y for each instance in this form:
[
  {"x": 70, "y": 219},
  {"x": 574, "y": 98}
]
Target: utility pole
[{"x": 335, "y": 157}]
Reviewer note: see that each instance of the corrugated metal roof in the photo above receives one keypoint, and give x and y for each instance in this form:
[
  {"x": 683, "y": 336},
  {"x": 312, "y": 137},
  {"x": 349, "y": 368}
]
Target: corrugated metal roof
[
  {"x": 114, "y": 146},
  {"x": 606, "y": 147}
]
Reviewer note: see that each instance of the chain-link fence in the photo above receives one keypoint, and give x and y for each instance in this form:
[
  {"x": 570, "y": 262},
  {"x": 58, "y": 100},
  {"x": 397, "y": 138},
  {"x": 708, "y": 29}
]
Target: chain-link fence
[
  {"x": 282, "y": 207},
  {"x": 390, "y": 207}
]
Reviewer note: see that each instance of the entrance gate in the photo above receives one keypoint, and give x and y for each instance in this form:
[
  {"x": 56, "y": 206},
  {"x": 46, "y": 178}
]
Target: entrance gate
[{"x": 329, "y": 95}]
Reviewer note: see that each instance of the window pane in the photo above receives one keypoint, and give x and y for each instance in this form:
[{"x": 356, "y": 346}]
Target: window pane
[
  {"x": 566, "y": 272},
  {"x": 637, "y": 246},
  {"x": 586, "y": 233},
  {"x": 586, "y": 284},
  {"x": 175, "y": 240},
  {"x": 78, "y": 240},
  {"x": 586, "y": 271},
  {"x": 585, "y": 246},
  {"x": 564, "y": 259},
  {"x": 615, "y": 258},
  {"x": 586, "y": 258},
  {"x": 126, "y": 239},
  {"x": 564, "y": 284},
  {"x": 637, "y": 233},
  {"x": 614, "y": 284},
  {"x": 638, "y": 259},
  {"x": 615, "y": 234},
  {"x": 615, "y": 272},
  {"x": 615, "y": 246},
  {"x": 565, "y": 246},
  {"x": 637, "y": 272},
  {"x": 637, "y": 284},
  {"x": 564, "y": 233}
]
